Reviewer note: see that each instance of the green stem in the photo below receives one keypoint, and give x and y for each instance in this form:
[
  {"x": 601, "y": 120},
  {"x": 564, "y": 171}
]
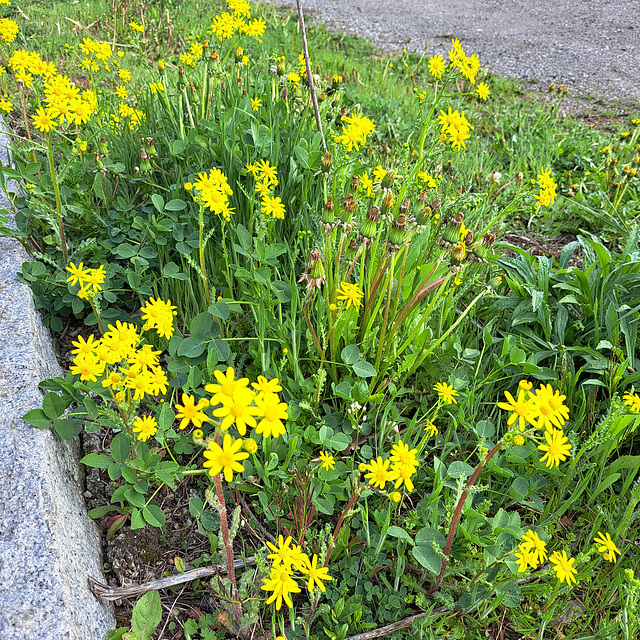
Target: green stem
[
  {"x": 203, "y": 267},
  {"x": 56, "y": 189},
  {"x": 385, "y": 319}
]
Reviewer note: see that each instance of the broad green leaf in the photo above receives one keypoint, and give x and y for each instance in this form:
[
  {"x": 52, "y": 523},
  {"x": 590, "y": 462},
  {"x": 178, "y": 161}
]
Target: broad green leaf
[
  {"x": 428, "y": 558},
  {"x": 363, "y": 369},
  {"x": 120, "y": 448},
  {"x": 191, "y": 347},
  {"x": 37, "y": 418},
  {"x": 97, "y": 460},
  {"x": 350, "y": 354},
  {"x": 147, "y": 615}
]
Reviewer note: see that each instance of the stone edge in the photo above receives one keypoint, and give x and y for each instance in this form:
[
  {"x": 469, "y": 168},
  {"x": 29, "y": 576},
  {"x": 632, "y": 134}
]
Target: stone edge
[{"x": 48, "y": 545}]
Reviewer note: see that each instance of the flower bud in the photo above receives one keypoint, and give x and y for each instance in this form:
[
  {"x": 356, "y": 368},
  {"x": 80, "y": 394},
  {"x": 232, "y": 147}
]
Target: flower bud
[
  {"x": 387, "y": 181},
  {"x": 451, "y": 232},
  {"x": 369, "y": 224},
  {"x": 459, "y": 251},
  {"x": 396, "y": 233},
  {"x": 327, "y": 212}
]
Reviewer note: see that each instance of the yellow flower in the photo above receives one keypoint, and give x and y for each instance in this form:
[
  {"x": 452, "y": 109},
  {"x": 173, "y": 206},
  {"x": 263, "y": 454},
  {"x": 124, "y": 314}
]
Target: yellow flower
[
  {"x": 238, "y": 410},
  {"x": 431, "y": 429},
  {"x": 256, "y": 103},
  {"x": 395, "y": 496},
  {"x": 531, "y": 542},
  {"x": 78, "y": 274},
  {"x": 328, "y": 462},
  {"x": 122, "y": 92},
  {"x": 136, "y": 27},
  {"x": 563, "y": 566},
  {"x": 557, "y": 447},
  {"x": 273, "y": 414},
  {"x": 124, "y": 75},
  {"x": 43, "y": 121},
  {"x": 227, "y": 385},
  {"x": 401, "y": 455},
  {"x": 436, "y": 66},
  {"x": 606, "y": 547},
  {"x": 250, "y": 446},
  {"x": 549, "y": 408},
  {"x": 264, "y": 386},
  {"x": 85, "y": 346},
  {"x": 189, "y": 411},
  {"x": 525, "y": 558},
  {"x": 379, "y": 473},
  {"x": 272, "y": 207},
  {"x": 632, "y": 400},
  {"x": 145, "y": 427},
  {"x": 521, "y": 410},
  {"x": 282, "y": 584},
  {"x": 446, "y": 392},
  {"x": 482, "y": 91},
  {"x": 518, "y": 440},
  {"x": 87, "y": 367},
  {"x": 226, "y": 458},
  {"x": 351, "y": 293},
  {"x": 316, "y": 574}
]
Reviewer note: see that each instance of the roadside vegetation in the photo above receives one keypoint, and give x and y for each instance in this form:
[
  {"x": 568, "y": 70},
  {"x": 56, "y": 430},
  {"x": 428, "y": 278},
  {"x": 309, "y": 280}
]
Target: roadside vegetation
[{"x": 391, "y": 366}]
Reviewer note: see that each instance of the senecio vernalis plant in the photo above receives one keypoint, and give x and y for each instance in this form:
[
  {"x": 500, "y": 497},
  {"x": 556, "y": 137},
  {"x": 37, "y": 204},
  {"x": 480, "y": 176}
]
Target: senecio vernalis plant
[{"x": 350, "y": 487}]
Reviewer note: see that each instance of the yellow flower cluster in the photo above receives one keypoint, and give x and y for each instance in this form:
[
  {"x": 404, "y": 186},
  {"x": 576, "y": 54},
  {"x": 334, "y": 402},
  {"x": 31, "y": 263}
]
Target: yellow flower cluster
[
  {"x": 226, "y": 24},
  {"x": 288, "y": 559},
  {"x": 468, "y": 66},
  {"x": 93, "y": 49},
  {"x": 213, "y": 192},
  {"x": 351, "y": 293},
  {"x": 62, "y": 99},
  {"x": 547, "y": 194},
  {"x": 399, "y": 468},
  {"x": 456, "y": 126},
  {"x": 90, "y": 280},
  {"x": 242, "y": 405},
  {"x": 355, "y": 131},
  {"x": 128, "y": 370},
  {"x": 158, "y": 315},
  {"x": 266, "y": 177},
  {"x": 542, "y": 409},
  {"x": 532, "y": 552},
  {"x": 8, "y": 29},
  {"x": 135, "y": 116}
]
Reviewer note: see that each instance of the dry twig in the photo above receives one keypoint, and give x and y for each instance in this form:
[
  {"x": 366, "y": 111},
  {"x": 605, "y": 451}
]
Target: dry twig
[{"x": 104, "y": 592}]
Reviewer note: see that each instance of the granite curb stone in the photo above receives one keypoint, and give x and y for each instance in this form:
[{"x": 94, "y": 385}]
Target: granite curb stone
[{"x": 48, "y": 545}]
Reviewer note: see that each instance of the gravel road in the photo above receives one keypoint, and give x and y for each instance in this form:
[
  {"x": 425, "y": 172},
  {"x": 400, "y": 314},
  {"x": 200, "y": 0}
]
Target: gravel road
[{"x": 592, "y": 46}]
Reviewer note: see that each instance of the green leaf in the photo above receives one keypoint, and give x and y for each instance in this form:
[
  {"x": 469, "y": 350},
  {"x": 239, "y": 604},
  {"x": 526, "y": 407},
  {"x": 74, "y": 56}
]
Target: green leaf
[
  {"x": 426, "y": 535},
  {"x": 176, "y": 204},
  {"x": 219, "y": 310},
  {"x": 53, "y": 405},
  {"x": 485, "y": 429},
  {"x": 350, "y": 354},
  {"x": 125, "y": 250},
  {"x": 511, "y": 594},
  {"x": 324, "y": 506},
  {"x": 120, "y": 448},
  {"x": 91, "y": 407},
  {"x": 37, "y": 418},
  {"x": 100, "y": 512},
  {"x": 399, "y": 532},
  {"x": 147, "y": 615},
  {"x": 67, "y": 429},
  {"x": 428, "y": 558},
  {"x": 137, "y": 521},
  {"x": 158, "y": 202},
  {"x": 154, "y": 515},
  {"x": 97, "y": 460},
  {"x": 460, "y": 469},
  {"x": 201, "y": 326},
  {"x": 172, "y": 270},
  {"x": 363, "y": 369},
  {"x": 191, "y": 347},
  {"x": 521, "y": 486},
  {"x": 166, "y": 417},
  {"x": 244, "y": 237}
]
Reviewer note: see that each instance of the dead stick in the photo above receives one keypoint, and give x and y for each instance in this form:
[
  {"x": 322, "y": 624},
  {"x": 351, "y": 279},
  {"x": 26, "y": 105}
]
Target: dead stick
[
  {"x": 105, "y": 592},
  {"x": 396, "y": 626},
  {"x": 312, "y": 88}
]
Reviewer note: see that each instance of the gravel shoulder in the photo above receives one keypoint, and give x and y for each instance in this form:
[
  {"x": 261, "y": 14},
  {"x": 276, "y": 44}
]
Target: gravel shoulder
[{"x": 592, "y": 46}]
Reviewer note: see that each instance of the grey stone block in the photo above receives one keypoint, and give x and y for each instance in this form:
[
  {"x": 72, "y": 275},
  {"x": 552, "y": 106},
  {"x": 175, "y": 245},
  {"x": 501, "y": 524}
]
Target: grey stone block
[{"x": 48, "y": 545}]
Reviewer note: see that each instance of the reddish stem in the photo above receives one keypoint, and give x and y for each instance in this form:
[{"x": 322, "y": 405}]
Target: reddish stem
[{"x": 458, "y": 512}]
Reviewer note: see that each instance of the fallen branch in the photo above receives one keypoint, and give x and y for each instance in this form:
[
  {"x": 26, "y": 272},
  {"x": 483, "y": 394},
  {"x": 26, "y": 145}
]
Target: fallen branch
[
  {"x": 104, "y": 592},
  {"x": 396, "y": 626}
]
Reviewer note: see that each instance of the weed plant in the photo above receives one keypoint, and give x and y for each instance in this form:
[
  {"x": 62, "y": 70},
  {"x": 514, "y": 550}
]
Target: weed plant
[{"x": 397, "y": 417}]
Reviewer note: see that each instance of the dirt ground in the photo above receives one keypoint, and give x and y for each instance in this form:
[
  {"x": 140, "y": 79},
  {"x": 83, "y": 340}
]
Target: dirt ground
[{"x": 592, "y": 46}]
